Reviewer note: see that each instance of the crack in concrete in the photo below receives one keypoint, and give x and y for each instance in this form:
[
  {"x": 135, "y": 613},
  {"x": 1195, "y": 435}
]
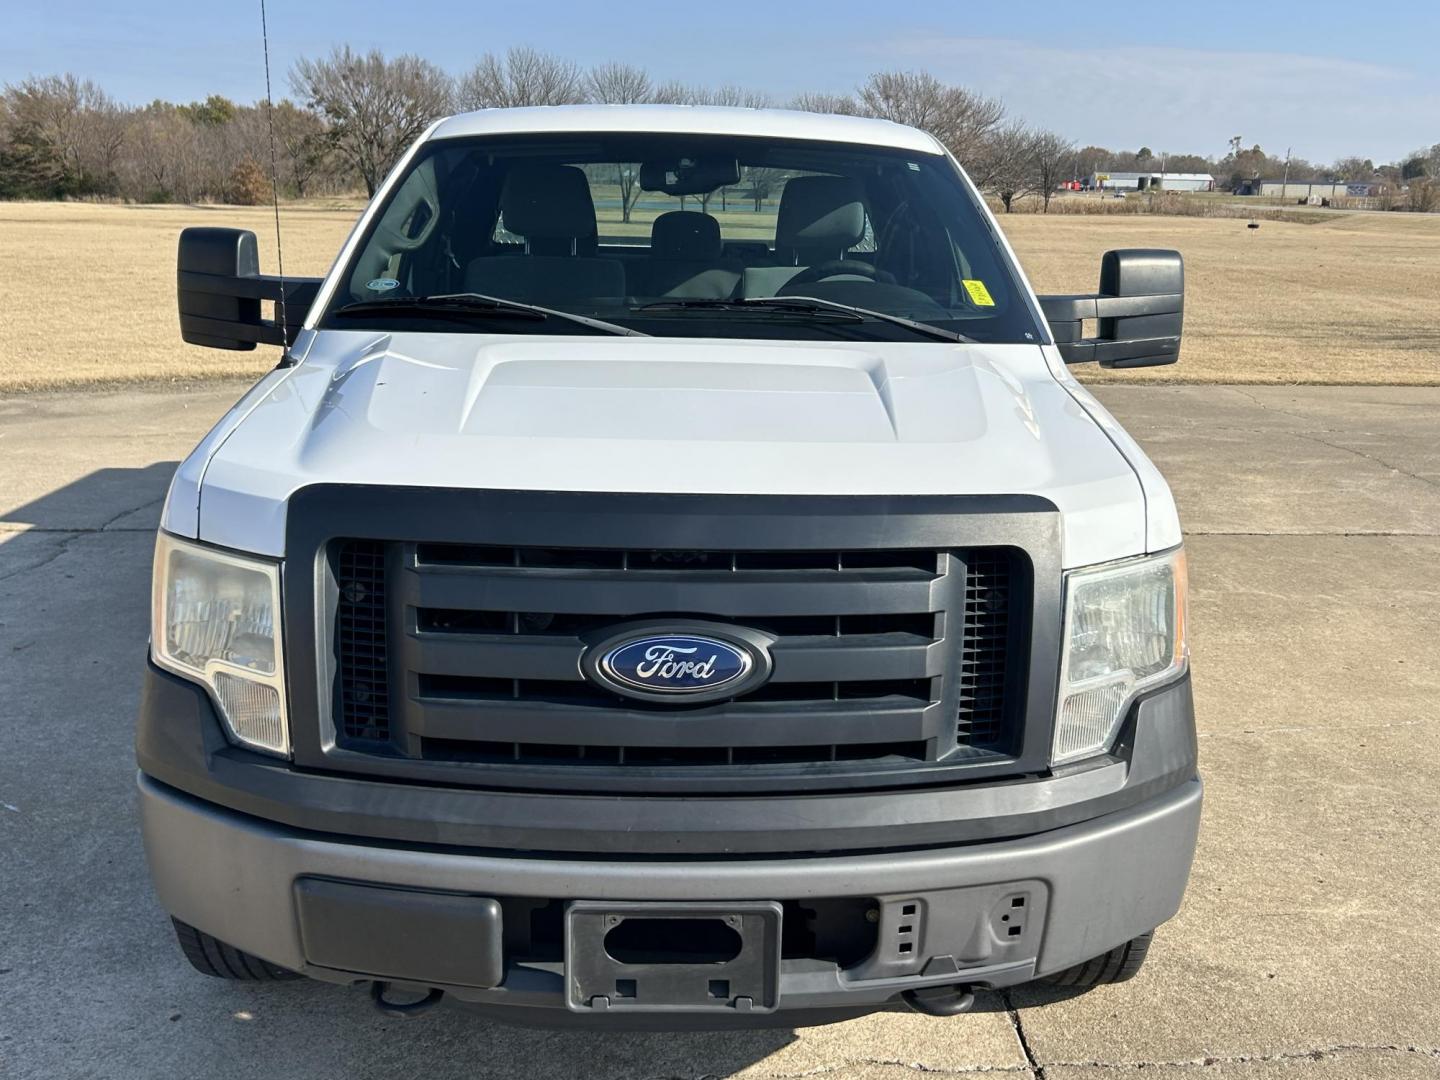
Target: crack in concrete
[
  {"x": 1360, "y": 534},
  {"x": 11, "y": 529},
  {"x": 62, "y": 548},
  {"x": 1036, "y": 1069},
  {"x": 1367, "y": 457},
  {"x": 18, "y": 527},
  {"x": 880, "y": 1063},
  {"x": 1248, "y": 396},
  {"x": 1311, "y": 437},
  {"x": 1293, "y": 729},
  {"x": 69, "y": 536},
  {"x": 1319, "y": 1053}
]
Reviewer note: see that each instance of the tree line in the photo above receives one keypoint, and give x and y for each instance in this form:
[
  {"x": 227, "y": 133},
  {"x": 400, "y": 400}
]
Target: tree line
[{"x": 352, "y": 114}]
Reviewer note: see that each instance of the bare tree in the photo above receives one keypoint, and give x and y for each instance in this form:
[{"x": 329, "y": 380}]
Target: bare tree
[
  {"x": 762, "y": 181},
  {"x": 523, "y": 76},
  {"x": 1422, "y": 162},
  {"x": 1052, "y": 158},
  {"x": 959, "y": 118},
  {"x": 678, "y": 93},
  {"x": 1354, "y": 169},
  {"x": 1423, "y": 194},
  {"x": 64, "y": 135},
  {"x": 619, "y": 84},
  {"x": 672, "y": 92},
  {"x": 840, "y": 104},
  {"x": 732, "y": 96},
  {"x": 375, "y": 107},
  {"x": 302, "y": 145},
  {"x": 1006, "y": 167}
]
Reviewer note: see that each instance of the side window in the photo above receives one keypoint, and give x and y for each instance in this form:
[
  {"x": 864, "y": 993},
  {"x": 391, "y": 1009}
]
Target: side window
[{"x": 504, "y": 236}]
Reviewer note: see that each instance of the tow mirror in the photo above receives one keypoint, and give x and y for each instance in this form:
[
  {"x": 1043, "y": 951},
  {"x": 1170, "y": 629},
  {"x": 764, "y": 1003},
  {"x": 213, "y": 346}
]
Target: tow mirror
[
  {"x": 1138, "y": 311},
  {"x": 220, "y": 288}
]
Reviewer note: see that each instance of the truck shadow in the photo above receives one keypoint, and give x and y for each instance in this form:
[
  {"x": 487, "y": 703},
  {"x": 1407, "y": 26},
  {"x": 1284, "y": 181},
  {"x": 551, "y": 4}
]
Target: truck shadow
[
  {"x": 108, "y": 499},
  {"x": 456, "y": 1042}
]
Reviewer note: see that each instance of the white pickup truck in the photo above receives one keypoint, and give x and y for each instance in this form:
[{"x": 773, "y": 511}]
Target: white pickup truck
[{"x": 671, "y": 579}]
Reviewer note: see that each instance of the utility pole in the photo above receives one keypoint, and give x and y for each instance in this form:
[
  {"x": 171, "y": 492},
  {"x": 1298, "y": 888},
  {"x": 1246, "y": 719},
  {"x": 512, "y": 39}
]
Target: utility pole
[{"x": 1285, "y": 183}]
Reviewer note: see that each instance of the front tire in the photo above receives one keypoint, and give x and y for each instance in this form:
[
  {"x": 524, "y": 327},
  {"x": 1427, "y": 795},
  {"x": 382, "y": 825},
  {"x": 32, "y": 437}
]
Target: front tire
[
  {"x": 211, "y": 956},
  {"x": 1118, "y": 965}
]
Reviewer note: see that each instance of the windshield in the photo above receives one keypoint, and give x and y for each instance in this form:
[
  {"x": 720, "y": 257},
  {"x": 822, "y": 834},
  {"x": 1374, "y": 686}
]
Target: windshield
[{"x": 683, "y": 235}]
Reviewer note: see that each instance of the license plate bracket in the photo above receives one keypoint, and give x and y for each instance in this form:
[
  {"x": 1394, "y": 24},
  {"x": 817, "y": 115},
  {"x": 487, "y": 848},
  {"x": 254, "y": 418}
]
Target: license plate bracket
[{"x": 657, "y": 957}]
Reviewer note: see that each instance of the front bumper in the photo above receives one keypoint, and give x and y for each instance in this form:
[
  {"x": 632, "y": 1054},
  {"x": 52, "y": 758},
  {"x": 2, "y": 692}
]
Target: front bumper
[{"x": 1086, "y": 888}]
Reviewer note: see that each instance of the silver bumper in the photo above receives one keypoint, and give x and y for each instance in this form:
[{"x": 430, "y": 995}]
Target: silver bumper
[{"x": 1090, "y": 887}]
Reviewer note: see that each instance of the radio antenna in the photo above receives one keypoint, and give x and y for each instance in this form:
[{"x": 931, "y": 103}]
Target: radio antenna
[{"x": 274, "y": 180}]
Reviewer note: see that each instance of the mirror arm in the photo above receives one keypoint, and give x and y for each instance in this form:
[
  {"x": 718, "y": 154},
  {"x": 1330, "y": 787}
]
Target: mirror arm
[
  {"x": 1153, "y": 337},
  {"x": 299, "y": 295}
]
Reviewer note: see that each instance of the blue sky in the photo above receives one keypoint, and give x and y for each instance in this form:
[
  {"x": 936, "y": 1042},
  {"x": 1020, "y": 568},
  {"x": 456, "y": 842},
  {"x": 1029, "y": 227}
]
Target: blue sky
[{"x": 1324, "y": 77}]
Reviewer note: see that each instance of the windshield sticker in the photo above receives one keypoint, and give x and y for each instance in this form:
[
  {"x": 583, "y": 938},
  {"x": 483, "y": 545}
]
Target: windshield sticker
[
  {"x": 979, "y": 295},
  {"x": 385, "y": 284}
]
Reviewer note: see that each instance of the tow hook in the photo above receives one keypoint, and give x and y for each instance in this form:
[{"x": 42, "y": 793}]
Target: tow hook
[
  {"x": 940, "y": 1000},
  {"x": 403, "y": 1008}
]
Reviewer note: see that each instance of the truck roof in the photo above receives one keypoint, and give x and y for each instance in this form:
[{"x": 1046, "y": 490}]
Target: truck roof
[{"x": 687, "y": 120}]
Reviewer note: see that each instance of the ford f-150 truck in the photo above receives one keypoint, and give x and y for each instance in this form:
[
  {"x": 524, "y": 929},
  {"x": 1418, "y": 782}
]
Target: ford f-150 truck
[{"x": 671, "y": 579}]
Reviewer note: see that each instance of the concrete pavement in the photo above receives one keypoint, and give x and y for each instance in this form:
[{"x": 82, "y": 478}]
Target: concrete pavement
[{"x": 1307, "y": 946}]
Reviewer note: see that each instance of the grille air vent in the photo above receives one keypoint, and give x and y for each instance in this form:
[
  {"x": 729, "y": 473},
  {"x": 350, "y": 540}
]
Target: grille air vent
[
  {"x": 985, "y": 649},
  {"x": 360, "y": 641}
]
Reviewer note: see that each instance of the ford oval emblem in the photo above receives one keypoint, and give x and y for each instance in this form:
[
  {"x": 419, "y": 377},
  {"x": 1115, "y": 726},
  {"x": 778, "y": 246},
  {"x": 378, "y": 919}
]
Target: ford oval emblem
[{"x": 692, "y": 664}]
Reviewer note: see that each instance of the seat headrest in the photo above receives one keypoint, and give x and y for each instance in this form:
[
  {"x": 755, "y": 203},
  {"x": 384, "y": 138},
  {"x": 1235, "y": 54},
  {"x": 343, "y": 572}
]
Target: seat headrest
[
  {"x": 547, "y": 202},
  {"x": 685, "y": 234},
  {"x": 820, "y": 214}
]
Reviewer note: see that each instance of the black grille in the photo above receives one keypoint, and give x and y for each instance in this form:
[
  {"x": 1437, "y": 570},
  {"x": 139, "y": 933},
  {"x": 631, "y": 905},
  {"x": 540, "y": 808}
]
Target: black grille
[
  {"x": 882, "y": 657},
  {"x": 363, "y": 690}
]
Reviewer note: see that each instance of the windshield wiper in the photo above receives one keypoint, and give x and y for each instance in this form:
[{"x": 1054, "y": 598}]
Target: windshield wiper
[
  {"x": 450, "y": 305},
  {"x": 801, "y": 305},
  {"x": 801, "y": 309}
]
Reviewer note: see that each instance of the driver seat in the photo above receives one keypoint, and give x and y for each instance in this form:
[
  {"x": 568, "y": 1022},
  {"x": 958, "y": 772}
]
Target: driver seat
[{"x": 820, "y": 219}]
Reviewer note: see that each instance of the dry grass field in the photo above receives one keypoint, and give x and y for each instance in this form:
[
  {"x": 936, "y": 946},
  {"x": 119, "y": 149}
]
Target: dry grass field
[{"x": 88, "y": 292}]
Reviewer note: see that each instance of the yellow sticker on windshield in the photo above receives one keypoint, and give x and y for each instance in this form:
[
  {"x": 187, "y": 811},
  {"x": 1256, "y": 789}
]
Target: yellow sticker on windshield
[{"x": 979, "y": 295}]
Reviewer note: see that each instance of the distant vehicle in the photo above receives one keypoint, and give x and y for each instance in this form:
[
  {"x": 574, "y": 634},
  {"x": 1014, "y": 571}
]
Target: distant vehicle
[{"x": 670, "y": 617}]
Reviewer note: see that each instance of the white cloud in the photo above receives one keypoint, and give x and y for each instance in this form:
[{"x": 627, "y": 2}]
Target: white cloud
[{"x": 1190, "y": 100}]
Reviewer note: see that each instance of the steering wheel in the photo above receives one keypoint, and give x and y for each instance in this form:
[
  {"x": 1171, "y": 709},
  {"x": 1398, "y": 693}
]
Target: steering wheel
[{"x": 837, "y": 268}]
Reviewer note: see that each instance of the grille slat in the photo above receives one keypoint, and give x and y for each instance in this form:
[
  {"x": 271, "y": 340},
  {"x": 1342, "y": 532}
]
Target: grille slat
[
  {"x": 855, "y": 658},
  {"x": 882, "y": 657},
  {"x": 559, "y": 721},
  {"x": 610, "y": 593}
]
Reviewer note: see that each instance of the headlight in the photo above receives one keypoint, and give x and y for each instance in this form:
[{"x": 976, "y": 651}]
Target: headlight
[
  {"x": 1124, "y": 631},
  {"x": 215, "y": 618}
]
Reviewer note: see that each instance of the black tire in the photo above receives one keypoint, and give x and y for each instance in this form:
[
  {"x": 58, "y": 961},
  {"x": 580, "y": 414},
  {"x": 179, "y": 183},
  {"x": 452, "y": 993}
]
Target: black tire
[
  {"x": 211, "y": 956},
  {"x": 1116, "y": 966}
]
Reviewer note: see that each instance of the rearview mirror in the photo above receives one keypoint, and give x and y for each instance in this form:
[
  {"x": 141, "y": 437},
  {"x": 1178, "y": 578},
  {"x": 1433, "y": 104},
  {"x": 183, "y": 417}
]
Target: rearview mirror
[
  {"x": 689, "y": 176},
  {"x": 1139, "y": 311},
  {"x": 219, "y": 287}
]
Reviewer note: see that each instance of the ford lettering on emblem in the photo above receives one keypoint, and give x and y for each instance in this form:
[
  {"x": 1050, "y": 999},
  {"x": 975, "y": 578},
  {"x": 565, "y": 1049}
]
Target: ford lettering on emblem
[{"x": 690, "y": 664}]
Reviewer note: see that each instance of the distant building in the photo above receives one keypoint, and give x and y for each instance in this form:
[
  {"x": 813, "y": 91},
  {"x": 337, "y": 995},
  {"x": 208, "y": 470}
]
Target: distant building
[
  {"x": 1297, "y": 189},
  {"x": 1150, "y": 181}
]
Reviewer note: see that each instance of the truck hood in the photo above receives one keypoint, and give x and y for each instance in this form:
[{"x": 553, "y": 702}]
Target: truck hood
[{"x": 659, "y": 414}]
